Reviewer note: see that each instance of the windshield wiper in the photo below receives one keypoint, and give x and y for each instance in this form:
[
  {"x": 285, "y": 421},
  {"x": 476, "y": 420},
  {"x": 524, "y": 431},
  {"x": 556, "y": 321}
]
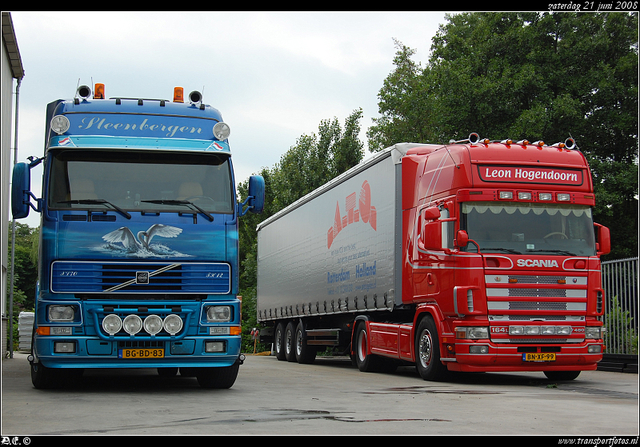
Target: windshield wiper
[
  {"x": 97, "y": 202},
  {"x": 181, "y": 202},
  {"x": 508, "y": 250},
  {"x": 564, "y": 252}
]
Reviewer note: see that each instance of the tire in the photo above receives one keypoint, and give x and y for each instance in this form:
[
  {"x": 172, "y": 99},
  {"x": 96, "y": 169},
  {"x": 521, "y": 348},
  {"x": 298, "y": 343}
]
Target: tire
[
  {"x": 561, "y": 375},
  {"x": 290, "y": 342},
  {"x": 44, "y": 378},
  {"x": 365, "y": 361},
  {"x": 304, "y": 354},
  {"x": 278, "y": 342},
  {"x": 167, "y": 372},
  {"x": 427, "y": 349},
  {"x": 218, "y": 378}
]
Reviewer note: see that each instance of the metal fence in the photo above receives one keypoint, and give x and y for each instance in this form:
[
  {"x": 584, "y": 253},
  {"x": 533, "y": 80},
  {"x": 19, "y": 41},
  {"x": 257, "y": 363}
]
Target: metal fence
[{"x": 620, "y": 284}]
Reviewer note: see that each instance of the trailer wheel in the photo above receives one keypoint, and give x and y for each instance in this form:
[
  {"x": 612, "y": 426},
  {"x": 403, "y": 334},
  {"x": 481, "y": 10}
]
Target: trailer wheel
[
  {"x": 279, "y": 341},
  {"x": 427, "y": 349},
  {"x": 304, "y": 352},
  {"x": 365, "y": 362},
  {"x": 561, "y": 375},
  {"x": 289, "y": 342}
]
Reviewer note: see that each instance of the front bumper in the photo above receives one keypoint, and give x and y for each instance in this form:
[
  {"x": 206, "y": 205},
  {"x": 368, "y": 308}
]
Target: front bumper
[
  {"x": 484, "y": 355},
  {"x": 92, "y": 352}
]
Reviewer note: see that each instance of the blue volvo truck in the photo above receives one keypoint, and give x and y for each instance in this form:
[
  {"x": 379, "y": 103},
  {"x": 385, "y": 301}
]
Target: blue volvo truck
[{"x": 138, "y": 262}]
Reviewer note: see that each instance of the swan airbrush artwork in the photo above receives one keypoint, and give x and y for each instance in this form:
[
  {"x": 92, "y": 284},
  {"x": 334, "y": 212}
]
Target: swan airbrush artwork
[{"x": 123, "y": 240}]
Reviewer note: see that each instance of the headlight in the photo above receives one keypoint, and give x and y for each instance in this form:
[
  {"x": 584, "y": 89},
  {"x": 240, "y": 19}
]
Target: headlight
[
  {"x": 473, "y": 333},
  {"x": 112, "y": 324},
  {"x": 594, "y": 332},
  {"x": 60, "y": 124},
  {"x": 219, "y": 313},
  {"x": 173, "y": 324},
  {"x": 132, "y": 324},
  {"x": 61, "y": 313},
  {"x": 221, "y": 131},
  {"x": 153, "y": 324}
]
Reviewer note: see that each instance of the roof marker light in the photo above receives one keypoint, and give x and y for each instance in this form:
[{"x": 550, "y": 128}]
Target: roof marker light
[
  {"x": 539, "y": 143},
  {"x": 523, "y": 142},
  {"x": 545, "y": 196}
]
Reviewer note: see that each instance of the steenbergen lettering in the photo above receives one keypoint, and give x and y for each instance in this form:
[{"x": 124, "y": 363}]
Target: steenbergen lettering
[
  {"x": 530, "y": 174},
  {"x": 103, "y": 124}
]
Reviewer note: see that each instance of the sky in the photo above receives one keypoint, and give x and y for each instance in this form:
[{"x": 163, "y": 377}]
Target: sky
[{"x": 274, "y": 76}]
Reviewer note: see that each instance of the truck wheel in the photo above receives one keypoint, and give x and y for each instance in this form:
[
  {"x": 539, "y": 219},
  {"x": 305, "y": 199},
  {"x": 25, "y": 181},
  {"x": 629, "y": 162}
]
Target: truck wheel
[
  {"x": 427, "y": 349},
  {"x": 218, "y": 378},
  {"x": 366, "y": 362},
  {"x": 44, "y": 378},
  {"x": 304, "y": 353},
  {"x": 561, "y": 375},
  {"x": 290, "y": 342},
  {"x": 279, "y": 341}
]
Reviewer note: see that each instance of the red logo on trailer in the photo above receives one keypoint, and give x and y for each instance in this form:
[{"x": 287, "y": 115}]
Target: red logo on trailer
[{"x": 365, "y": 211}]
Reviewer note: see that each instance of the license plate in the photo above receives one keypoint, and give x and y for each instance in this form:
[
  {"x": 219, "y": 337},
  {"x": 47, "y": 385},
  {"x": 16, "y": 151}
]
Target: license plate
[
  {"x": 141, "y": 353},
  {"x": 539, "y": 357}
]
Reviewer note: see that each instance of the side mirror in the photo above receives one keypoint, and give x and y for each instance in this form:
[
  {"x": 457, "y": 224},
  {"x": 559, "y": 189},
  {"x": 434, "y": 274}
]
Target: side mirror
[
  {"x": 255, "y": 199},
  {"x": 20, "y": 190},
  {"x": 256, "y": 190},
  {"x": 603, "y": 239},
  {"x": 462, "y": 239}
]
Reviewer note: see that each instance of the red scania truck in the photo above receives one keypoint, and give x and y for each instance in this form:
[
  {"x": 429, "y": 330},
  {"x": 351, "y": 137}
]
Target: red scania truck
[{"x": 476, "y": 255}]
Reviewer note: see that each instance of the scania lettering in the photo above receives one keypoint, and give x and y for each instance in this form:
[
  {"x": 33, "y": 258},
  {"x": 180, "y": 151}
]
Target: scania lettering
[
  {"x": 139, "y": 239},
  {"x": 471, "y": 256}
]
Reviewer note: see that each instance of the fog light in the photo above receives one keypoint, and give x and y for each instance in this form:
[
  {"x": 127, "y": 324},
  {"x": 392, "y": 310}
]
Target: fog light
[
  {"x": 132, "y": 324},
  {"x": 516, "y": 330},
  {"x": 153, "y": 324},
  {"x": 506, "y": 195},
  {"x": 112, "y": 324},
  {"x": 214, "y": 346},
  {"x": 531, "y": 330},
  {"x": 64, "y": 347},
  {"x": 562, "y": 197},
  {"x": 594, "y": 349},
  {"x": 479, "y": 349},
  {"x": 524, "y": 195},
  {"x": 173, "y": 324},
  {"x": 547, "y": 330}
]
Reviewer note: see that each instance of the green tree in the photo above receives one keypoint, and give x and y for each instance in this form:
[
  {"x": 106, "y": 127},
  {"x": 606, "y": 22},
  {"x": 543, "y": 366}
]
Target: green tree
[
  {"x": 539, "y": 76},
  {"x": 25, "y": 271}
]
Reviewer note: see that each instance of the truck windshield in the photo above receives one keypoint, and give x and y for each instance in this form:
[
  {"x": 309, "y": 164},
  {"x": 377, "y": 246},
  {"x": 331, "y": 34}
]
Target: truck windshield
[
  {"x": 140, "y": 181},
  {"x": 529, "y": 228}
]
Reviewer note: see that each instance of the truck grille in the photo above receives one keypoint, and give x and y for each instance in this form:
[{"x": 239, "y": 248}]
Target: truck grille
[
  {"x": 518, "y": 299},
  {"x": 155, "y": 277}
]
